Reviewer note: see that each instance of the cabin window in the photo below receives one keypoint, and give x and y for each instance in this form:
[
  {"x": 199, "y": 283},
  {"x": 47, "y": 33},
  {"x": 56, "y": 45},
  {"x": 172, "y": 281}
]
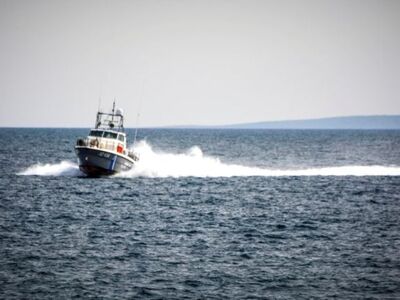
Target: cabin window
[
  {"x": 121, "y": 137},
  {"x": 110, "y": 135},
  {"x": 96, "y": 133}
]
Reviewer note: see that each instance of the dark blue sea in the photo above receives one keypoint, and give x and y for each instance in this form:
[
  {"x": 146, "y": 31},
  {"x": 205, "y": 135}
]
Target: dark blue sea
[{"x": 205, "y": 214}]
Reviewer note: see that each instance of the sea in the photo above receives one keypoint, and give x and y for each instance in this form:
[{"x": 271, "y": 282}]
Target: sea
[{"x": 204, "y": 214}]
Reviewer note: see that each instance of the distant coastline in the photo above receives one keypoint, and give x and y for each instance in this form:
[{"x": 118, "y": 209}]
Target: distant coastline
[
  {"x": 349, "y": 122},
  {"x": 374, "y": 122}
]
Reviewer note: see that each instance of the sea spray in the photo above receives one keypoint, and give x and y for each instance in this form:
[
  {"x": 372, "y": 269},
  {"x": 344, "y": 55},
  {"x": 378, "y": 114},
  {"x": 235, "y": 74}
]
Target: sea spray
[
  {"x": 64, "y": 168},
  {"x": 194, "y": 163}
]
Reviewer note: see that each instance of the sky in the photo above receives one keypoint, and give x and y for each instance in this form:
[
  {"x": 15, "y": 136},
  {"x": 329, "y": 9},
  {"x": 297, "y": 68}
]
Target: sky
[{"x": 183, "y": 62}]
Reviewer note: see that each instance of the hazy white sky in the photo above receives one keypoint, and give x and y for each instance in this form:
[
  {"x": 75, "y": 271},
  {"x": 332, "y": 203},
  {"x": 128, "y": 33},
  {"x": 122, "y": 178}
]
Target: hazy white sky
[{"x": 197, "y": 62}]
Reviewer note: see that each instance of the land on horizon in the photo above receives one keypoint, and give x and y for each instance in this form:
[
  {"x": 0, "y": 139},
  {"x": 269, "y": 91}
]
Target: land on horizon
[{"x": 345, "y": 122}]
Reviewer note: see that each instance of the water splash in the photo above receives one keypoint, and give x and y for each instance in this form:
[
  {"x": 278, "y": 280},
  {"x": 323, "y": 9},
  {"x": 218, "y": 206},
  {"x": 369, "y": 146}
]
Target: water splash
[
  {"x": 194, "y": 163},
  {"x": 64, "y": 168}
]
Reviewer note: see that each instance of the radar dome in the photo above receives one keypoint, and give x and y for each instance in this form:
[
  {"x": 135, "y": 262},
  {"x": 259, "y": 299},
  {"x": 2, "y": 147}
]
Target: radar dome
[{"x": 119, "y": 111}]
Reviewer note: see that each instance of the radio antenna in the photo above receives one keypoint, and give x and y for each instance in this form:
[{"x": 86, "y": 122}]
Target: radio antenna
[
  {"x": 136, "y": 130},
  {"x": 99, "y": 105},
  {"x": 138, "y": 114}
]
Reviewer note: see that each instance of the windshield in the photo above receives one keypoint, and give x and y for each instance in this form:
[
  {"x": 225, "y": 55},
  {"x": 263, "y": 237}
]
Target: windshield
[
  {"x": 104, "y": 134},
  {"x": 110, "y": 135},
  {"x": 96, "y": 133},
  {"x": 121, "y": 137}
]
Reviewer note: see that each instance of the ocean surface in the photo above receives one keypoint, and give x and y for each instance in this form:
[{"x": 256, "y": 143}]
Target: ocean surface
[{"x": 205, "y": 214}]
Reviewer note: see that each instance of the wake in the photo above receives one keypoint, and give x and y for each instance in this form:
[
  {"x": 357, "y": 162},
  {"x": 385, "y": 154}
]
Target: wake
[
  {"x": 193, "y": 163},
  {"x": 64, "y": 168}
]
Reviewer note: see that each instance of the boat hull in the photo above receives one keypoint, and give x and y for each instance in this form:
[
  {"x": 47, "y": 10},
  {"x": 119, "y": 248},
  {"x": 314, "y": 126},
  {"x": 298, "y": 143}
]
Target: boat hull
[{"x": 96, "y": 162}]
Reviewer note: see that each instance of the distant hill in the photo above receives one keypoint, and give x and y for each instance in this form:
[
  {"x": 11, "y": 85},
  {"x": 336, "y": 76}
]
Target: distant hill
[{"x": 352, "y": 122}]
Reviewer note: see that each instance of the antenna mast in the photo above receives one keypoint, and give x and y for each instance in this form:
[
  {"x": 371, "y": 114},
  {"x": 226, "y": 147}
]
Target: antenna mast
[
  {"x": 113, "y": 111},
  {"x": 99, "y": 105},
  {"x": 138, "y": 115},
  {"x": 136, "y": 130}
]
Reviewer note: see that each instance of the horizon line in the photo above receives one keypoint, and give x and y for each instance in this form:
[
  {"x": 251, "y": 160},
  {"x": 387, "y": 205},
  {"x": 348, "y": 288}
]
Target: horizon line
[{"x": 194, "y": 126}]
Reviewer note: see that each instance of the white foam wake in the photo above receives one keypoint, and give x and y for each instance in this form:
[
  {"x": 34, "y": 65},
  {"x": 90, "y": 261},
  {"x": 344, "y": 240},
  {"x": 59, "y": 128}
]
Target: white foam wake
[
  {"x": 64, "y": 168},
  {"x": 194, "y": 163}
]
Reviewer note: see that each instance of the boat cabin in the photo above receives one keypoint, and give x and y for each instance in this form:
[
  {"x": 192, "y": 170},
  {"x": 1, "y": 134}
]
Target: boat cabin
[
  {"x": 107, "y": 140},
  {"x": 108, "y": 135}
]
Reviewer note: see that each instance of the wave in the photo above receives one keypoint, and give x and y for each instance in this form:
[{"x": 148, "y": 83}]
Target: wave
[{"x": 193, "y": 163}]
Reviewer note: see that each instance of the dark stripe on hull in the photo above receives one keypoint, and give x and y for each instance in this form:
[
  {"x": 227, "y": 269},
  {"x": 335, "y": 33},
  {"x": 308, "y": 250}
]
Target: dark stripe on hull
[{"x": 95, "y": 162}]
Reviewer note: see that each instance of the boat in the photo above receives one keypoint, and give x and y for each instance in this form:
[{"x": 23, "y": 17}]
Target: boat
[{"x": 104, "y": 151}]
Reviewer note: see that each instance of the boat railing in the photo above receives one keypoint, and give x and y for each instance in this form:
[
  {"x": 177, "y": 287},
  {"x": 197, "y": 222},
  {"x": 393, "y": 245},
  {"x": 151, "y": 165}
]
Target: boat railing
[{"x": 96, "y": 143}]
